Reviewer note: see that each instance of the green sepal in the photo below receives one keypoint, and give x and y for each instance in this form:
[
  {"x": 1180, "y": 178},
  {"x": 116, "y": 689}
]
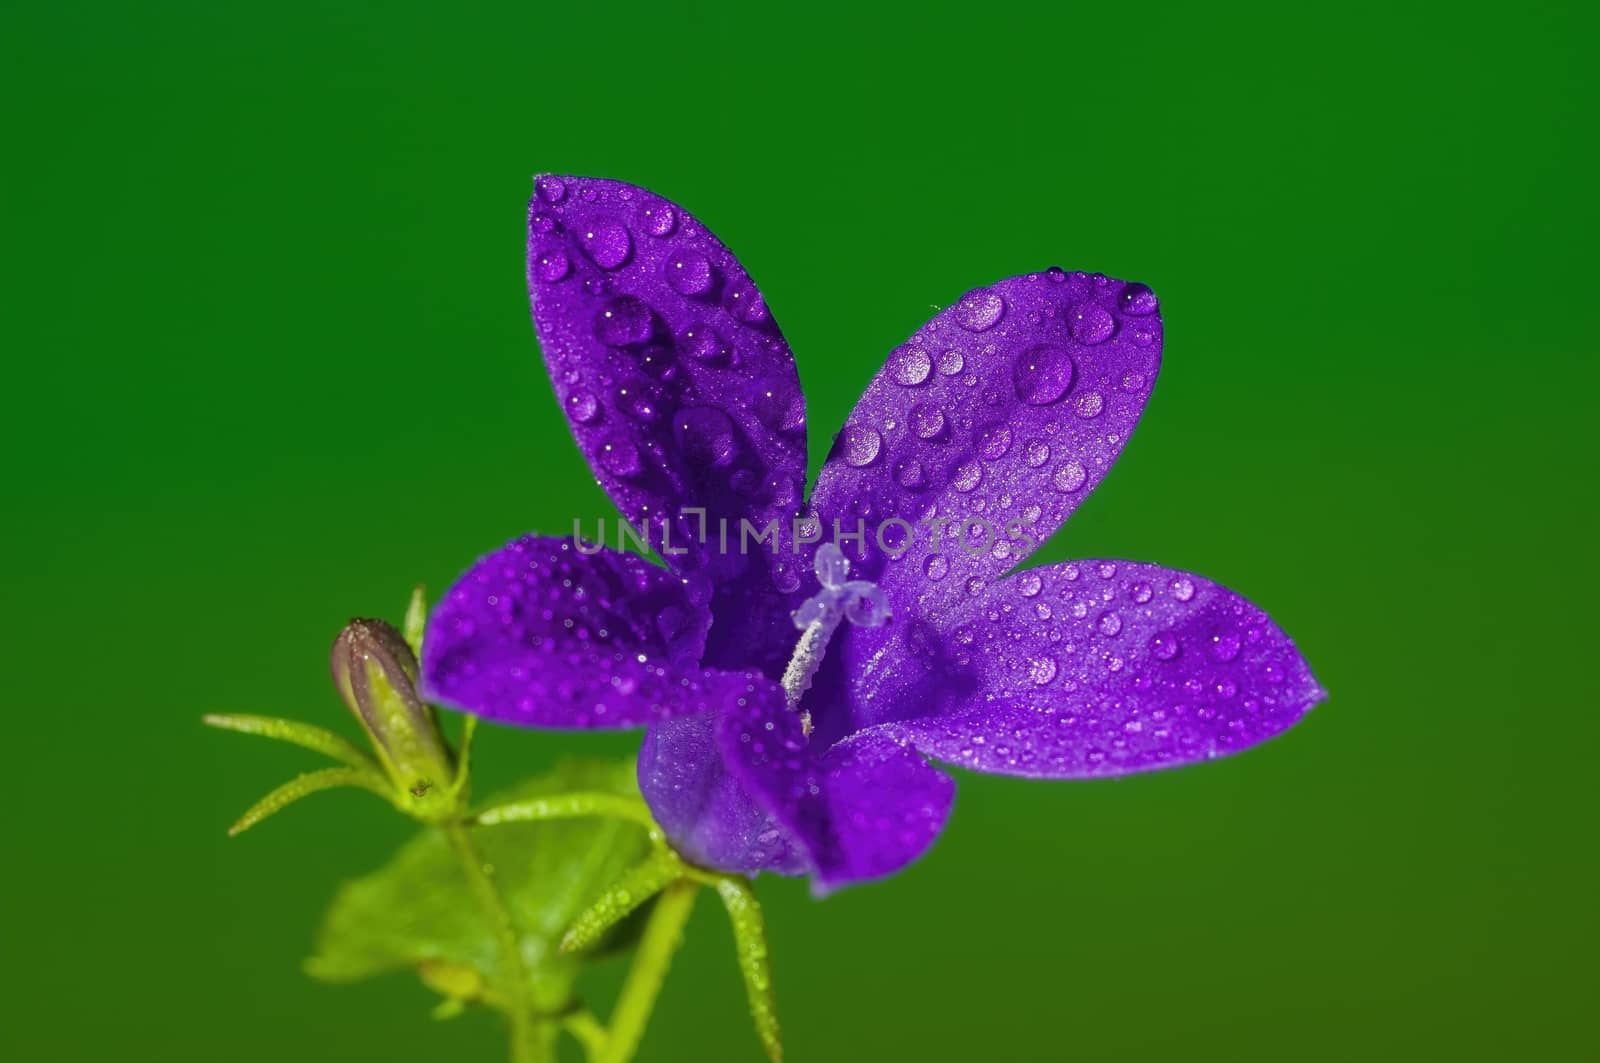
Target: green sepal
[
  {"x": 420, "y": 908},
  {"x": 309, "y": 783},
  {"x": 305, "y": 735},
  {"x": 416, "y": 620},
  {"x": 750, "y": 942},
  {"x": 639, "y": 885}
]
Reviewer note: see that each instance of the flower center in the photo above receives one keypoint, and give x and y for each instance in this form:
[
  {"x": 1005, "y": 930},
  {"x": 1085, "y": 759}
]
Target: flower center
[{"x": 859, "y": 601}]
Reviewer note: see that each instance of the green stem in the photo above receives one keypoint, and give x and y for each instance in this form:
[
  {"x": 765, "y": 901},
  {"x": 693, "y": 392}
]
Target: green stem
[
  {"x": 509, "y": 943},
  {"x": 660, "y": 940}
]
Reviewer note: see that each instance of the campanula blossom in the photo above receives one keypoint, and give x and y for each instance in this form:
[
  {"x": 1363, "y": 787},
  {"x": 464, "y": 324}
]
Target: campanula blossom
[{"x": 797, "y": 681}]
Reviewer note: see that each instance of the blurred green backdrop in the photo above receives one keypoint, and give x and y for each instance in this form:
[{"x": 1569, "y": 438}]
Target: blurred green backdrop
[{"x": 269, "y": 362}]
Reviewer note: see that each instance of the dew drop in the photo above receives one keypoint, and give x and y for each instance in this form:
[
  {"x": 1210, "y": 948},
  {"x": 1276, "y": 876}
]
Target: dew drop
[
  {"x": 1109, "y": 624},
  {"x": 705, "y": 434},
  {"x": 951, "y": 362},
  {"x": 608, "y": 243},
  {"x": 1139, "y": 299},
  {"x": 911, "y": 475},
  {"x": 582, "y": 407},
  {"x": 993, "y": 441},
  {"x": 1037, "y": 454},
  {"x": 1164, "y": 647},
  {"x": 552, "y": 266},
  {"x": 622, "y": 321},
  {"x": 980, "y": 310},
  {"x": 689, "y": 273},
  {"x": 552, "y": 189},
  {"x": 620, "y": 457},
  {"x": 704, "y": 344},
  {"x": 966, "y": 476},
  {"x": 657, "y": 218},
  {"x": 1091, "y": 323},
  {"x": 937, "y": 567},
  {"x": 1141, "y": 592},
  {"x": 745, "y": 303},
  {"x": 1070, "y": 476},
  {"x": 1089, "y": 404},
  {"x": 1041, "y": 670},
  {"x": 1042, "y": 374},
  {"x": 910, "y": 366},
  {"x": 860, "y": 445},
  {"x": 1224, "y": 646},
  {"x": 1181, "y": 588},
  {"x": 1029, "y": 584},
  {"x": 927, "y": 420}
]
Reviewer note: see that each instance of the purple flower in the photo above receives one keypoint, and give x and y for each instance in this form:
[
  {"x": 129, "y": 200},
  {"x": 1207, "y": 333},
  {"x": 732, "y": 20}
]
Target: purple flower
[{"x": 788, "y": 723}]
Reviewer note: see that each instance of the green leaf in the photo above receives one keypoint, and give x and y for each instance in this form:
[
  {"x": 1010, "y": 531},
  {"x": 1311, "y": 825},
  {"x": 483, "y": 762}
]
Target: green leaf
[
  {"x": 305, "y": 735},
  {"x": 419, "y": 909},
  {"x": 750, "y": 940},
  {"x": 304, "y": 785}
]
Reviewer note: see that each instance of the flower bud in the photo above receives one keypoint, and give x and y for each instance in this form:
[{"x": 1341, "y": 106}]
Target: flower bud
[{"x": 376, "y": 674}]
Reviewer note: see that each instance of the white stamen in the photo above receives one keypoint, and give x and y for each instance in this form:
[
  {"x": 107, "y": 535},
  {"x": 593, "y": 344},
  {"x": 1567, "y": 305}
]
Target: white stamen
[{"x": 861, "y": 602}]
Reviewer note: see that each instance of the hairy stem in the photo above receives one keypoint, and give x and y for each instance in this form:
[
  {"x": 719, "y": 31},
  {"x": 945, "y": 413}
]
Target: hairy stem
[
  {"x": 661, "y": 937},
  {"x": 509, "y": 943}
]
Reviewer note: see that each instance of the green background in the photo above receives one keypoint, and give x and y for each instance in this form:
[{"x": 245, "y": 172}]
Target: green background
[{"x": 269, "y": 361}]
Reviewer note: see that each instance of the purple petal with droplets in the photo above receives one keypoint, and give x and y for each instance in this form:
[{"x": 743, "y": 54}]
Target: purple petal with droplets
[
  {"x": 707, "y": 813},
  {"x": 679, "y": 388},
  {"x": 1007, "y": 407},
  {"x": 863, "y": 808},
  {"x": 1083, "y": 669},
  {"x": 539, "y": 634}
]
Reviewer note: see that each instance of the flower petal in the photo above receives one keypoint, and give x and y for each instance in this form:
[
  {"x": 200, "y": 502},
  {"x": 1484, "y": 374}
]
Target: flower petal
[
  {"x": 679, "y": 388},
  {"x": 863, "y": 808},
  {"x": 1006, "y": 408},
  {"x": 710, "y": 817},
  {"x": 1084, "y": 669},
  {"x": 539, "y": 634}
]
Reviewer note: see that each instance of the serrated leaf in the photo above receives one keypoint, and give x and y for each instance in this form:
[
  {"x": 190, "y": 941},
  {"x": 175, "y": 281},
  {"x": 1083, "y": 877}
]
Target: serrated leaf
[{"x": 420, "y": 908}]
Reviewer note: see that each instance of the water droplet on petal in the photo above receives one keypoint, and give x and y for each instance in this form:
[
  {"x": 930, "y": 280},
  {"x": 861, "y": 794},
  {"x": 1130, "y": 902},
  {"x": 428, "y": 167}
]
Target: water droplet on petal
[
  {"x": 552, "y": 189},
  {"x": 993, "y": 441},
  {"x": 607, "y": 242},
  {"x": 980, "y": 310},
  {"x": 911, "y": 475},
  {"x": 1029, "y": 584},
  {"x": 1042, "y": 374},
  {"x": 689, "y": 273},
  {"x": 1109, "y": 624},
  {"x": 745, "y": 303},
  {"x": 910, "y": 366},
  {"x": 552, "y": 266},
  {"x": 1089, "y": 404},
  {"x": 951, "y": 362},
  {"x": 927, "y": 420},
  {"x": 1090, "y": 323},
  {"x": 1139, "y": 299},
  {"x": 1038, "y": 453},
  {"x": 966, "y": 476},
  {"x": 1182, "y": 588},
  {"x": 704, "y": 344},
  {"x": 620, "y": 457},
  {"x": 622, "y": 321},
  {"x": 1164, "y": 646},
  {"x": 1041, "y": 670},
  {"x": 1224, "y": 646},
  {"x": 705, "y": 434},
  {"x": 582, "y": 407},
  {"x": 1141, "y": 592},
  {"x": 657, "y": 218},
  {"x": 1070, "y": 476},
  {"x": 936, "y": 567},
  {"x": 860, "y": 445}
]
